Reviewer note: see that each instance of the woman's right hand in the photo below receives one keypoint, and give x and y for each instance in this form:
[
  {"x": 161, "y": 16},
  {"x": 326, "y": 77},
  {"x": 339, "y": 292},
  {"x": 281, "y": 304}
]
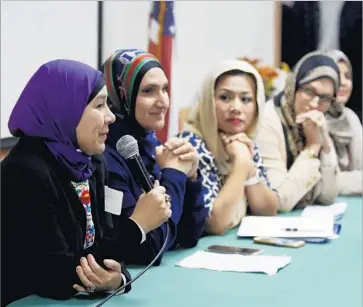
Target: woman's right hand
[
  {"x": 238, "y": 146},
  {"x": 152, "y": 209},
  {"x": 314, "y": 125},
  {"x": 311, "y": 133}
]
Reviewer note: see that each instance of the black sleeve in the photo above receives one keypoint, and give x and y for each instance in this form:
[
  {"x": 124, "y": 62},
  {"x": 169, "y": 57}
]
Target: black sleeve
[
  {"x": 38, "y": 258},
  {"x": 107, "y": 245},
  {"x": 128, "y": 277}
]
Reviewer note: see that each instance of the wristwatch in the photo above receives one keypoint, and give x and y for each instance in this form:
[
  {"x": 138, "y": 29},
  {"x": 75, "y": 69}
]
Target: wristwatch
[
  {"x": 311, "y": 154},
  {"x": 253, "y": 180}
]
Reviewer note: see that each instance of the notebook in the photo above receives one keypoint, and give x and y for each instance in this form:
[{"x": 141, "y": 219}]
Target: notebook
[
  {"x": 335, "y": 210},
  {"x": 287, "y": 227},
  {"x": 235, "y": 263}
]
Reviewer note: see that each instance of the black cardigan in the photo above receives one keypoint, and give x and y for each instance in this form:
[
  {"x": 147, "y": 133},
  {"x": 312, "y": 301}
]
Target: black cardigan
[
  {"x": 300, "y": 35},
  {"x": 43, "y": 224}
]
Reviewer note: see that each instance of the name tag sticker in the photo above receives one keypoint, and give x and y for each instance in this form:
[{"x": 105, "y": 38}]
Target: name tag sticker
[{"x": 113, "y": 201}]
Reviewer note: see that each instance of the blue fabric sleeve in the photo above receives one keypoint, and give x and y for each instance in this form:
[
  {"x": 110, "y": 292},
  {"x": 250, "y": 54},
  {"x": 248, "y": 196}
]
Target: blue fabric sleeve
[
  {"x": 191, "y": 210},
  {"x": 129, "y": 233},
  {"x": 174, "y": 182},
  {"x": 120, "y": 178},
  {"x": 191, "y": 226}
]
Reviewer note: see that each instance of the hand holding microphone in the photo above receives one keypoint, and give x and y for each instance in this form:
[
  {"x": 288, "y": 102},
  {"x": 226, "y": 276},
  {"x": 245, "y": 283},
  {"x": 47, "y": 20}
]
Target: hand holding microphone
[
  {"x": 152, "y": 209},
  {"x": 155, "y": 200}
]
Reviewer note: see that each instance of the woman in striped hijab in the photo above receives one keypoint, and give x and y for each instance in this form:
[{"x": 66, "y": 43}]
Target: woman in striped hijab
[{"x": 138, "y": 96}]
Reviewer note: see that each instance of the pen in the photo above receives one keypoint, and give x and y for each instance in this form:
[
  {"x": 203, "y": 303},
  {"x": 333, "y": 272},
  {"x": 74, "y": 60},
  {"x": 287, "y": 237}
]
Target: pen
[
  {"x": 290, "y": 229},
  {"x": 294, "y": 229}
]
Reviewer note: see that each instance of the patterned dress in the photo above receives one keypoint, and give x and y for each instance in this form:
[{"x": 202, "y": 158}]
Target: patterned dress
[
  {"x": 213, "y": 180},
  {"x": 82, "y": 189}
]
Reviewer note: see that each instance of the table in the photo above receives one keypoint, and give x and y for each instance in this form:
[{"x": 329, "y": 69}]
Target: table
[{"x": 328, "y": 275}]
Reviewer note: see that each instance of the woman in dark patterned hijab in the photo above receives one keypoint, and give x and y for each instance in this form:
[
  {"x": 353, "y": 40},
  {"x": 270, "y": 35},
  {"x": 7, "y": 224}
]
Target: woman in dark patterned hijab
[{"x": 294, "y": 139}]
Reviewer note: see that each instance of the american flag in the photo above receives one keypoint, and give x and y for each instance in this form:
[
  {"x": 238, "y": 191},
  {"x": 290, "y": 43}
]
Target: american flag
[{"x": 161, "y": 34}]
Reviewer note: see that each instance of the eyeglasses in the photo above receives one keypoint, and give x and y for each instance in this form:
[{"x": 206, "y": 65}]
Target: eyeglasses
[{"x": 323, "y": 98}]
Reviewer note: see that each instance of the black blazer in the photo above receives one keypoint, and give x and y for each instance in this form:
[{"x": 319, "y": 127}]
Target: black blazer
[
  {"x": 350, "y": 39},
  {"x": 43, "y": 224},
  {"x": 299, "y": 30},
  {"x": 300, "y": 35}
]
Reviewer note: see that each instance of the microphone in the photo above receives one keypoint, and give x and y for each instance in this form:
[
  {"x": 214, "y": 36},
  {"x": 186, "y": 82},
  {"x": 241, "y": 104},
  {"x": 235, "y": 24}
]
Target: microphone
[{"x": 127, "y": 147}]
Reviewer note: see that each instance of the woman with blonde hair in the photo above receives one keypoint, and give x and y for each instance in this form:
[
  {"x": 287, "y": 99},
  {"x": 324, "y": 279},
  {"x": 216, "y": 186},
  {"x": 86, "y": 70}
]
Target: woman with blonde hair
[{"x": 221, "y": 127}]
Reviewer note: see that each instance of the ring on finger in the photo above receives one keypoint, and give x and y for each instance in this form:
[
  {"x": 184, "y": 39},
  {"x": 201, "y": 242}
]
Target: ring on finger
[
  {"x": 167, "y": 147},
  {"x": 91, "y": 289}
]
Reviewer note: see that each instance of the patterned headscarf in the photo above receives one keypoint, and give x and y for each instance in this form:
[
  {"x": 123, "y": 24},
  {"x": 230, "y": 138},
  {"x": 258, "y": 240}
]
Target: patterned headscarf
[
  {"x": 336, "y": 108},
  {"x": 339, "y": 125},
  {"x": 123, "y": 71},
  {"x": 51, "y": 106},
  {"x": 313, "y": 66}
]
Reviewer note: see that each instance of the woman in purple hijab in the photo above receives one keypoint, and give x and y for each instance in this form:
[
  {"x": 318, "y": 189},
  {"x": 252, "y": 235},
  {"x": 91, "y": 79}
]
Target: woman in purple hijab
[{"x": 57, "y": 238}]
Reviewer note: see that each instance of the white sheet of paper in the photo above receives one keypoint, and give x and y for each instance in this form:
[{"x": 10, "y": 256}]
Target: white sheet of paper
[
  {"x": 274, "y": 226},
  {"x": 113, "y": 200},
  {"x": 235, "y": 263},
  {"x": 335, "y": 210}
]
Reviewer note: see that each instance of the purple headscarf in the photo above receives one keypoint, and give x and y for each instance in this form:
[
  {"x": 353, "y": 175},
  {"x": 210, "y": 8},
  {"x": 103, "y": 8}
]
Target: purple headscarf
[{"x": 51, "y": 106}]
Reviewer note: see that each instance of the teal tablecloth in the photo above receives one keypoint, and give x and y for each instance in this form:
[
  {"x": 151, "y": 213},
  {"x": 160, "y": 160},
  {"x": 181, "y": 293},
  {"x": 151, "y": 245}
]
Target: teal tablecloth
[{"x": 327, "y": 275}]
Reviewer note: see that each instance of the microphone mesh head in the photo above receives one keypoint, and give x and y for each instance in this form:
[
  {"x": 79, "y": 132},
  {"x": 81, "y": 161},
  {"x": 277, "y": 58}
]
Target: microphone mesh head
[{"x": 127, "y": 146}]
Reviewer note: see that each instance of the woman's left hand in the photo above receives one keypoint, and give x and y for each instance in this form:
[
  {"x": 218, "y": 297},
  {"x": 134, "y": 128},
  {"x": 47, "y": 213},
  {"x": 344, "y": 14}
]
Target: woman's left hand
[
  {"x": 94, "y": 278},
  {"x": 317, "y": 118},
  {"x": 186, "y": 152},
  {"x": 241, "y": 137}
]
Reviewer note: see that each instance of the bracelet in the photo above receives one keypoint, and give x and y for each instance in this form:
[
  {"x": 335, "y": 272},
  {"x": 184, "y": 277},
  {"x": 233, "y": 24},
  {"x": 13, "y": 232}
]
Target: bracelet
[
  {"x": 253, "y": 180},
  {"x": 311, "y": 154}
]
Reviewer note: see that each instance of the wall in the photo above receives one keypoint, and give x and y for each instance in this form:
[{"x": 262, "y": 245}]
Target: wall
[
  {"x": 33, "y": 32},
  {"x": 207, "y": 32}
]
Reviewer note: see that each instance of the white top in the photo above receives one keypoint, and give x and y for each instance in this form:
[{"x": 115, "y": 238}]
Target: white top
[{"x": 329, "y": 24}]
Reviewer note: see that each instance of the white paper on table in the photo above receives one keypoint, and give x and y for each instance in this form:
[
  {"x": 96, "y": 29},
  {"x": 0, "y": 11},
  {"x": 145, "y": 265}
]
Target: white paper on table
[
  {"x": 335, "y": 210},
  {"x": 235, "y": 263},
  {"x": 275, "y": 226}
]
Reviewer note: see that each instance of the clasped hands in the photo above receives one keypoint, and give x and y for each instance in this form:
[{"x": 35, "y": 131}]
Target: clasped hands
[
  {"x": 154, "y": 208},
  {"x": 179, "y": 154},
  {"x": 315, "y": 128},
  {"x": 237, "y": 145}
]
